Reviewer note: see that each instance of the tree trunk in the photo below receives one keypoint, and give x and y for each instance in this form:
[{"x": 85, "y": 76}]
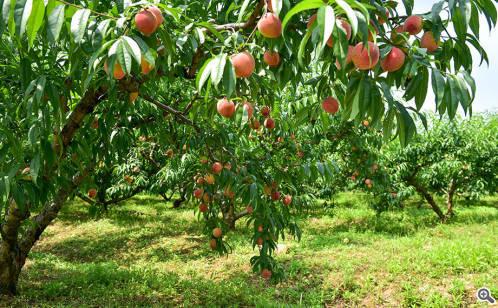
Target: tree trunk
[
  {"x": 13, "y": 252},
  {"x": 428, "y": 197},
  {"x": 449, "y": 198},
  {"x": 10, "y": 257},
  {"x": 229, "y": 216}
]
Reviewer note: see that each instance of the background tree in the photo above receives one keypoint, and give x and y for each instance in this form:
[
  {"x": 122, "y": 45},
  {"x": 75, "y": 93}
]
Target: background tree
[{"x": 450, "y": 159}]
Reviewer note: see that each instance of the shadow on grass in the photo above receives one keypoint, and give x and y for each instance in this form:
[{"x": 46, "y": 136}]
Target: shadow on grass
[{"x": 50, "y": 282}]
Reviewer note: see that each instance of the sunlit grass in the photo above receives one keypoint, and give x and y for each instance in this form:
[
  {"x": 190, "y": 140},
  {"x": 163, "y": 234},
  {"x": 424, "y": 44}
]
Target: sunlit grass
[{"x": 145, "y": 253}]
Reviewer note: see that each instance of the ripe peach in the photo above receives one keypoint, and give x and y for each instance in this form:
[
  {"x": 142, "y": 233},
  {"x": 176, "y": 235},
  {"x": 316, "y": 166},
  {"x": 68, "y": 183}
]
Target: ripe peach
[
  {"x": 198, "y": 193},
  {"x": 368, "y": 182},
  {"x": 275, "y": 195},
  {"x": 429, "y": 42},
  {"x": 200, "y": 181},
  {"x": 365, "y": 123},
  {"x": 157, "y": 14},
  {"x": 243, "y": 63},
  {"x": 394, "y": 60},
  {"x": 365, "y": 58},
  {"x": 413, "y": 24},
  {"x": 118, "y": 70},
  {"x": 265, "y": 111},
  {"x": 270, "y": 123},
  {"x": 217, "y": 167},
  {"x": 255, "y": 124},
  {"x": 266, "y": 274},
  {"x": 225, "y": 108},
  {"x": 260, "y": 229},
  {"x": 217, "y": 232},
  {"x": 92, "y": 192},
  {"x": 259, "y": 241},
  {"x": 249, "y": 109},
  {"x": 330, "y": 105},
  {"x": 146, "y": 66},
  {"x": 213, "y": 244},
  {"x": 249, "y": 209},
  {"x": 203, "y": 208},
  {"x": 272, "y": 58},
  {"x": 206, "y": 198},
  {"x": 270, "y": 26},
  {"x": 146, "y": 22},
  {"x": 287, "y": 200}
]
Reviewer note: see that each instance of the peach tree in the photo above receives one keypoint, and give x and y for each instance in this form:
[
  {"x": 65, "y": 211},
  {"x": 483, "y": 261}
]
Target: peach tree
[
  {"x": 451, "y": 159},
  {"x": 78, "y": 75}
]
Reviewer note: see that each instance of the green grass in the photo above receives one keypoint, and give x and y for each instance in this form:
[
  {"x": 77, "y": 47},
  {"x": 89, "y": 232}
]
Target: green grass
[{"x": 144, "y": 253}]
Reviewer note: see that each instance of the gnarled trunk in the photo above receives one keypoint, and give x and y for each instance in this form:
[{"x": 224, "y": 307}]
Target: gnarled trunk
[
  {"x": 10, "y": 254},
  {"x": 427, "y": 196}
]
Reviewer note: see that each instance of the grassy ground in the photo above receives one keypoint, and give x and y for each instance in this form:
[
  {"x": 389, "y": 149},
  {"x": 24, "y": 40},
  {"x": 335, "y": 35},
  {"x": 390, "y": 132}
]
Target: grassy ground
[{"x": 144, "y": 253}]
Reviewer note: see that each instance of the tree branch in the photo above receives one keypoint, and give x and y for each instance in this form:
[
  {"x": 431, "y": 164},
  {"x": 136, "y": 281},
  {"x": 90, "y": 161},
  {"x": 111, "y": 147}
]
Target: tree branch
[
  {"x": 251, "y": 22},
  {"x": 178, "y": 114}
]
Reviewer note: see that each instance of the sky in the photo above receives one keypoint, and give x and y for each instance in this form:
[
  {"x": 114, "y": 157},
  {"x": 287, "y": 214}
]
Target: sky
[{"x": 486, "y": 77}]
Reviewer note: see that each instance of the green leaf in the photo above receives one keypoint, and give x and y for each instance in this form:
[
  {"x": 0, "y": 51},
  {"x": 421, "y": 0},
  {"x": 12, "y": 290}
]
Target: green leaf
[
  {"x": 438, "y": 84},
  {"x": 124, "y": 57},
  {"x": 35, "y": 20},
  {"x": 302, "y": 47},
  {"x": 406, "y": 126},
  {"x": 243, "y": 10},
  {"x": 79, "y": 24},
  {"x": 204, "y": 74},
  {"x": 276, "y": 6},
  {"x": 350, "y": 13},
  {"x": 326, "y": 22},
  {"x": 21, "y": 15},
  {"x": 301, "y": 6},
  {"x": 212, "y": 29},
  {"x": 218, "y": 67},
  {"x": 55, "y": 22},
  {"x": 423, "y": 85},
  {"x": 229, "y": 79},
  {"x": 35, "y": 167},
  {"x": 133, "y": 48}
]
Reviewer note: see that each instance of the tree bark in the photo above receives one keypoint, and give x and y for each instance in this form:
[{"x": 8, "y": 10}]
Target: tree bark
[
  {"x": 229, "y": 216},
  {"x": 9, "y": 248},
  {"x": 449, "y": 198},
  {"x": 428, "y": 197}
]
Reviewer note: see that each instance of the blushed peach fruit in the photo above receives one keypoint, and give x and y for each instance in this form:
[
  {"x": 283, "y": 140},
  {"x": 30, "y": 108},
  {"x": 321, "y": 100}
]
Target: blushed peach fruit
[
  {"x": 365, "y": 58},
  {"x": 270, "y": 26},
  {"x": 330, "y": 105},
  {"x": 413, "y": 24},
  {"x": 243, "y": 64}
]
